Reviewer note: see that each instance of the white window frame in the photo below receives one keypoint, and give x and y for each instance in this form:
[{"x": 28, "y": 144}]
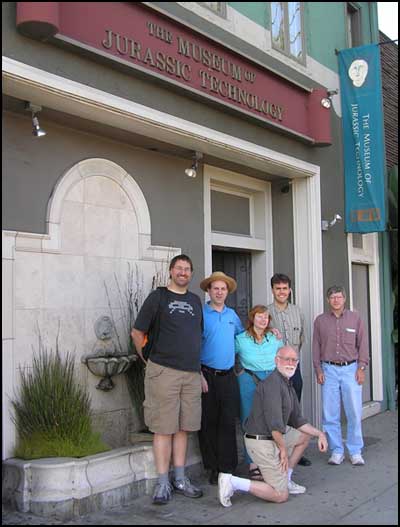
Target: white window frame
[
  {"x": 217, "y": 187},
  {"x": 286, "y": 49},
  {"x": 260, "y": 242},
  {"x": 220, "y": 11}
]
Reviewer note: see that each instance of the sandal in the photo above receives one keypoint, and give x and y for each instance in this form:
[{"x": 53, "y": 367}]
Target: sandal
[{"x": 255, "y": 474}]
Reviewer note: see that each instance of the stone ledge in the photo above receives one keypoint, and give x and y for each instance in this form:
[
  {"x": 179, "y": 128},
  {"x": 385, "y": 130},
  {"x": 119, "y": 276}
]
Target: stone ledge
[{"x": 68, "y": 487}]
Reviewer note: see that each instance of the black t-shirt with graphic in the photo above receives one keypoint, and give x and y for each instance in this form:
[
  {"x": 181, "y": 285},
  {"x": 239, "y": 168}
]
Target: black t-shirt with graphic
[{"x": 179, "y": 341}]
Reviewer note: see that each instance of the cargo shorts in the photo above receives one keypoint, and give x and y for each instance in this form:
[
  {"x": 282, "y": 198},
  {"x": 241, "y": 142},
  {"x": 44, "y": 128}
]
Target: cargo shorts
[
  {"x": 265, "y": 454},
  {"x": 172, "y": 399}
]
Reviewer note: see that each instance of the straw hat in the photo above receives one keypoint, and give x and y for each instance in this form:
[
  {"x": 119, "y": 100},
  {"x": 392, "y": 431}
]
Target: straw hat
[{"x": 219, "y": 275}]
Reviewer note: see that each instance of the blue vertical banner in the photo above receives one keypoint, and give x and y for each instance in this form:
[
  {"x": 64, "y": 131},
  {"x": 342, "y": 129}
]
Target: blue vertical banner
[{"x": 362, "y": 120}]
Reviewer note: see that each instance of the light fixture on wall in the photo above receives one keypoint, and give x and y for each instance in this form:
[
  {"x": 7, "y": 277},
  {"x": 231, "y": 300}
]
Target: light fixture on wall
[
  {"x": 37, "y": 131},
  {"x": 326, "y": 224},
  {"x": 192, "y": 171},
  {"x": 326, "y": 102},
  {"x": 285, "y": 188}
]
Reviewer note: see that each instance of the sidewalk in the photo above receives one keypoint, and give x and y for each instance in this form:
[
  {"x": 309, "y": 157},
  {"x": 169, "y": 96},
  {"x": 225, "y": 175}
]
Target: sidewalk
[{"x": 336, "y": 495}]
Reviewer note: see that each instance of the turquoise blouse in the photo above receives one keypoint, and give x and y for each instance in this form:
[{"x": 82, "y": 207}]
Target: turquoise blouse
[{"x": 257, "y": 356}]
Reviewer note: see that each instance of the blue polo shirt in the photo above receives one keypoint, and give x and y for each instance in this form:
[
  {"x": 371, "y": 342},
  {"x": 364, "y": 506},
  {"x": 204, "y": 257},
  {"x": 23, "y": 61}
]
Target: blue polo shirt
[{"x": 218, "y": 341}]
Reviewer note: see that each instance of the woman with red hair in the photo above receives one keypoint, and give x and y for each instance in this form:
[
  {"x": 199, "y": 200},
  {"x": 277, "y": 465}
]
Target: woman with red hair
[{"x": 256, "y": 348}]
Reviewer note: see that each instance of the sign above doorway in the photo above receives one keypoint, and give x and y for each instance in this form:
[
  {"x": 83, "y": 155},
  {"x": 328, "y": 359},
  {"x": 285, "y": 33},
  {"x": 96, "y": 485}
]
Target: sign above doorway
[{"x": 149, "y": 43}]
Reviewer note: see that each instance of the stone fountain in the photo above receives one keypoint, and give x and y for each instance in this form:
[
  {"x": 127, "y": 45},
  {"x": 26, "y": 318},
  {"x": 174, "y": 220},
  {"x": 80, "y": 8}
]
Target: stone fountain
[{"x": 106, "y": 360}]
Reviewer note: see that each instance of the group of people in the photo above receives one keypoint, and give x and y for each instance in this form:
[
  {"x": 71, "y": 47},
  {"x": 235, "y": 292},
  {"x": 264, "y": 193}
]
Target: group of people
[{"x": 205, "y": 370}]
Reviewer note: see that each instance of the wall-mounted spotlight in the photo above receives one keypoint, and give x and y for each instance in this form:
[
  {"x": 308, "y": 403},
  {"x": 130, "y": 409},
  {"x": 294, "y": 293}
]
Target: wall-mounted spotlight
[
  {"x": 192, "y": 171},
  {"x": 332, "y": 92},
  {"x": 285, "y": 188},
  {"x": 326, "y": 102},
  {"x": 326, "y": 224},
  {"x": 37, "y": 131}
]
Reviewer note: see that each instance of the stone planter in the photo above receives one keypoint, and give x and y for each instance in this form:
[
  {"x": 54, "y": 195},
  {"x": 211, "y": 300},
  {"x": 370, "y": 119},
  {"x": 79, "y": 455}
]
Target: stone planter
[{"x": 70, "y": 487}]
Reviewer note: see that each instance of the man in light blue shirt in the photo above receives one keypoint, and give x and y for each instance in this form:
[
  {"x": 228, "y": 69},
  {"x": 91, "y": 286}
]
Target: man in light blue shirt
[{"x": 220, "y": 394}]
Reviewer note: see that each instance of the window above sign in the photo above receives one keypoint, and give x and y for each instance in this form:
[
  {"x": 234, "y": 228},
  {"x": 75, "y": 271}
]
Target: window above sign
[
  {"x": 353, "y": 19},
  {"x": 216, "y": 7},
  {"x": 287, "y": 29}
]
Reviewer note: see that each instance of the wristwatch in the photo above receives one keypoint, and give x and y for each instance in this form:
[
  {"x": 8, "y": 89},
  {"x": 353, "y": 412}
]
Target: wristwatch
[{"x": 362, "y": 368}]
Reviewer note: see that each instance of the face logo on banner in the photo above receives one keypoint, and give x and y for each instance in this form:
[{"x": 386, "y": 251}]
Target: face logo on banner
[{"x": 358, "y": 72}]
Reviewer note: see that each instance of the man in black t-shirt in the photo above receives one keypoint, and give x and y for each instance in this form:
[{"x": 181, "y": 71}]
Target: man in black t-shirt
[{"x": 172, "y": 405}]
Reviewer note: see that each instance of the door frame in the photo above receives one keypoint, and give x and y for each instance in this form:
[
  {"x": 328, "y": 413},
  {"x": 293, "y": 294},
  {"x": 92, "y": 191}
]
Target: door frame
[
  {"x": 307, "y": 249},
  {"x": 369, "y": 255}
]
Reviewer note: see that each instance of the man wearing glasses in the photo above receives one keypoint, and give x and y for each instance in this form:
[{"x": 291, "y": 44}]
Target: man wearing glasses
[
  {"x": 172, "y": 405},
  {"x": 276, "y": 436},
  {"x": 340, "y": 356}
]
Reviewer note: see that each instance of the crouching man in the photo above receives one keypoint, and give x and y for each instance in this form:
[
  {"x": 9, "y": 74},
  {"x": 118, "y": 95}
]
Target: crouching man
[{"x": 276, "y": 436}]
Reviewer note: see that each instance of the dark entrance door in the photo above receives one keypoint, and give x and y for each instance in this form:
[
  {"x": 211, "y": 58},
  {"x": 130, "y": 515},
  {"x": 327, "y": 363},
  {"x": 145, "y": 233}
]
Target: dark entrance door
[{"x": 238, "y": 266}]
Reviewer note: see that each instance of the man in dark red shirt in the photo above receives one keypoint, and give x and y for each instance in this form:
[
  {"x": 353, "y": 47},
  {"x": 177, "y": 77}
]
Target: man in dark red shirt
[{"x": 340, "y": 356}]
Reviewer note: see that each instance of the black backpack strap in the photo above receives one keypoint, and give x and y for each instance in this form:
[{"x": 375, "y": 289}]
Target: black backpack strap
[{"x": 155, "y": 329}]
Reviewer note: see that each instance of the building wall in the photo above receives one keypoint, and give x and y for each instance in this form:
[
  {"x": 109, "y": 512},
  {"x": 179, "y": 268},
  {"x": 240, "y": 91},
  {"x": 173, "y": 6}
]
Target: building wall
[
  {"x": 390, "y": 83},
  {"x": 325, "y": 25},
  {"x": 33, "y": 168},
  {"x": 73, "y": 66},
  {"x": 177, "y": 205}
]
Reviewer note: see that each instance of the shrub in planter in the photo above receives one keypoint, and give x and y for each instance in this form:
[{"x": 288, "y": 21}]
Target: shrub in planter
[
  {"x": 131, "y": 297},
  {"x": 52, "y": 410}
]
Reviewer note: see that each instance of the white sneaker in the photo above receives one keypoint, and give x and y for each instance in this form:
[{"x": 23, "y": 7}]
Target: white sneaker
[
  {"x": 357, "y": 459},
  {"x": 336, "y": 459},
  {"x": 225, "y": 489},
  {"x": 294, "y": 488}
]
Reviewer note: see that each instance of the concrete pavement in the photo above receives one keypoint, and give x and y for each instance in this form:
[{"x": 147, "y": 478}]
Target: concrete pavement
[{"x": 336, "y": 495}]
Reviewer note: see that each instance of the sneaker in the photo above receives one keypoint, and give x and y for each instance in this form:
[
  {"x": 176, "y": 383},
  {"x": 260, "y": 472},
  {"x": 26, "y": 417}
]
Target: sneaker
[
  {"x": 183, "y": 486},
  {"x": 304, "y": 461},
  {"x": 294, "y": 488},
  {"x": 336, "y": 459},
  {"x": 162, "y": 493},
  {"x": 357, "y": 459},
  {"x": 225, "y": 489}
]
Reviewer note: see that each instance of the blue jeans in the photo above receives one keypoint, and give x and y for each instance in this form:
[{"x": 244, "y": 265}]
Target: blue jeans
[
  {"x": 247, "y": 387},
  {"x": 340, "y": 381}
]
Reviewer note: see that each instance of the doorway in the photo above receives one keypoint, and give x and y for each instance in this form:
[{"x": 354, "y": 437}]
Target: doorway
[
  {"x": 237, "y": 265},
  {"x": 361, "y": 303}
]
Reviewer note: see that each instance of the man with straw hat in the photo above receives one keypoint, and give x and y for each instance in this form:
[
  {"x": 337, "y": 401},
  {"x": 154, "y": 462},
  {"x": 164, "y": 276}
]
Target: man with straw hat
[{"x": 220, "y": 394}]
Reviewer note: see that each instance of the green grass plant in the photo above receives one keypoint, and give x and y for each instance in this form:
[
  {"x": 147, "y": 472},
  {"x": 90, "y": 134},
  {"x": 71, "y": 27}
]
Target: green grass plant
[{"x": 52, "y": 411}]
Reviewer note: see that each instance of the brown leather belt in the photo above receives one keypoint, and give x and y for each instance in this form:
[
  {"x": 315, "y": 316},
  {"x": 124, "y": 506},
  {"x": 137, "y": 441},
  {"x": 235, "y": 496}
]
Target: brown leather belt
[{"x": 343, "y": 363}]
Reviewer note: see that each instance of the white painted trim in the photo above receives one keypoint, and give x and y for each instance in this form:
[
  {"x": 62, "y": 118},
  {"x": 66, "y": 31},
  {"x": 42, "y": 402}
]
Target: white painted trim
[
  {"x": 241, "y": 194},
  {"x": 260, "y": 212},
  {"x": 369, "y": 255},
  {"x": 247, "y": 243},
  {"x": 308, "y": 270},
  {"x": 40, "y": 87}
]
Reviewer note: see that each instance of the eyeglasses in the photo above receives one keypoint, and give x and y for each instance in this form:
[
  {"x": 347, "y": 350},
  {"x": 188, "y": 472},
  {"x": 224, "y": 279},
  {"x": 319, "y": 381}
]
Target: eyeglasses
[
  {"x": 183, "y": 269},
  {"x": 288, "y": 359},
  {"x": 336, "y": 297}
]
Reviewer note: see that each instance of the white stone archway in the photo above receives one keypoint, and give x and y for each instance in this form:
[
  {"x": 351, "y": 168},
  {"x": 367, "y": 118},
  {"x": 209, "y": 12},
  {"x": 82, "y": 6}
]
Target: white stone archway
[{"x": 98, "y": 224}]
